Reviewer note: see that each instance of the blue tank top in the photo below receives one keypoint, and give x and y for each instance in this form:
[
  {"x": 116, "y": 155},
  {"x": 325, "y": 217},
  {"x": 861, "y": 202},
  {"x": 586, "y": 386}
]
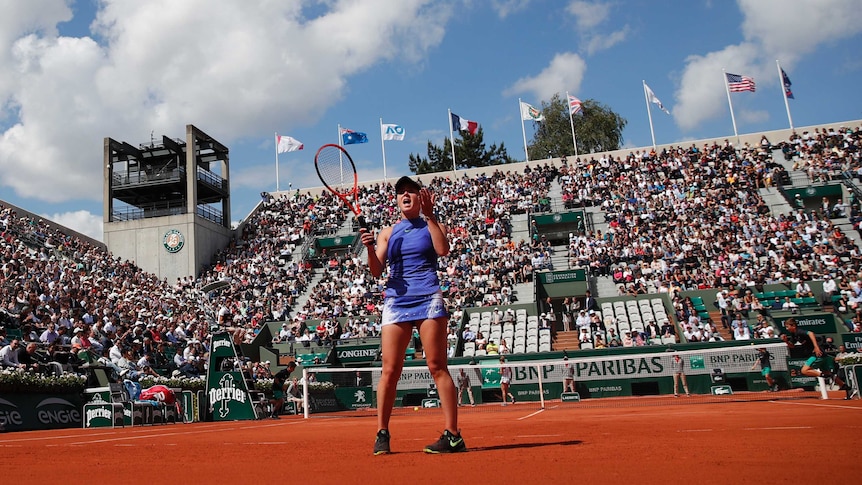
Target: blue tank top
[{"x": 412, "y": 260}]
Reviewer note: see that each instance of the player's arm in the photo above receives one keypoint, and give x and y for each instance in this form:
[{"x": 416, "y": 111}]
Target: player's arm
[
  {"x": 427, "y": 199},
  {"x": 376, "y": 252},
  {"x": 817, "y": 351}
]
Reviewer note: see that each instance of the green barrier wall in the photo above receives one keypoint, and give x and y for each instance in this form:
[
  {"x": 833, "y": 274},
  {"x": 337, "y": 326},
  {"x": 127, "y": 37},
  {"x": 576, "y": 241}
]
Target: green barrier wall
[{"x": 20, "y": 412}]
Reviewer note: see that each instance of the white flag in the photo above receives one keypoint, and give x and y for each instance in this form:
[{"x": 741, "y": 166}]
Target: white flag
[
  {"x": 530, "y": 113},
  {"x": 654, "y": 99},
  {"x": 287, "y": 144},
  {"x": 392, "y": 132}
]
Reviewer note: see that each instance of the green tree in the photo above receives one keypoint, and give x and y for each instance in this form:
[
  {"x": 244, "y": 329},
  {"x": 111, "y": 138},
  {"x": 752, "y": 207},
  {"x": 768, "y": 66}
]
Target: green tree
[
  {"x": 470, "y": 152},
  {"x": 597, "y": 129}
]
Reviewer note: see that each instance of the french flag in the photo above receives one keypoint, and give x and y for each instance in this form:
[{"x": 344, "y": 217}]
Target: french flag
[{"x": 463, "y": 124}]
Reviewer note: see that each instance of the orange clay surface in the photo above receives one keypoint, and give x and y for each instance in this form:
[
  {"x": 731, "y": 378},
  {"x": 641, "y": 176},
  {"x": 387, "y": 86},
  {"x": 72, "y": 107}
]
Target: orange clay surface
[{"x": 788, "y": 441}]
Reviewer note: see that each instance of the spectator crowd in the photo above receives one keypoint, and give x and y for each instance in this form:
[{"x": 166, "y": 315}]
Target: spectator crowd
[{"x": 679, "y": 219}]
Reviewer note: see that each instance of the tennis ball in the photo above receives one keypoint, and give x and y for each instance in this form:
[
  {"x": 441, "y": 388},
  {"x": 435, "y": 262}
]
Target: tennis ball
[{"x": 415, "y": 408}]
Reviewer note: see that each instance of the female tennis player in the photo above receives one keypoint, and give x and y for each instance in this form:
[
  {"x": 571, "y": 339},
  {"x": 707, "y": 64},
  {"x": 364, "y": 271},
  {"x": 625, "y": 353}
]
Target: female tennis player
[{"x": 413, "y": 298}]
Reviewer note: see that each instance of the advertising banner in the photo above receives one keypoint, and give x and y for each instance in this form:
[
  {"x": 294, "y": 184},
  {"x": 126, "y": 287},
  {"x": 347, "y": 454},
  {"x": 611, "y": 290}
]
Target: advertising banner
[
  {"x": 227, "y": 394},
  {"x": 20, "y": 412}
]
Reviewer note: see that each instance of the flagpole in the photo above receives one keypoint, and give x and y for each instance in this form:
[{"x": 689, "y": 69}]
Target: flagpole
[
  {"x": 523, "y": 131},
  {"x": 340, "y": 157},
  {"x": 452, "y": 141},
  {"x": 572, "y": 122},
  {"x": 784, "y": 92},
  {"x": 276, "y": 162},
  {"x": 649, "y": 114},
  {"x": 383, "y": 149},
  {"x": 730, "y": 103}
]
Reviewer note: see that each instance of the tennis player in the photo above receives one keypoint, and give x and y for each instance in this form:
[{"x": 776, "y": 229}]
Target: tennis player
[
  {"x": 818, "y": 363},
  {"x": 413, "y": 298}
]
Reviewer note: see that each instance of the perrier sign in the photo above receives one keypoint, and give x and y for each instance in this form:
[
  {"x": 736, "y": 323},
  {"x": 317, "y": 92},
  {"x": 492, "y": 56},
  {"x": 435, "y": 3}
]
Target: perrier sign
[{"x": 227, "y": 394}]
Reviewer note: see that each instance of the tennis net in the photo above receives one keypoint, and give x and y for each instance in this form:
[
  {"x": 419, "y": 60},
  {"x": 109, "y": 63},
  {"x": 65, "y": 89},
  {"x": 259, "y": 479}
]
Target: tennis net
[{"x": 640, "y": 377}]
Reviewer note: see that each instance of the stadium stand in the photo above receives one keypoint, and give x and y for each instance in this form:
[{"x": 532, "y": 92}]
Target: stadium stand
[{"x": 673, "y": 227}]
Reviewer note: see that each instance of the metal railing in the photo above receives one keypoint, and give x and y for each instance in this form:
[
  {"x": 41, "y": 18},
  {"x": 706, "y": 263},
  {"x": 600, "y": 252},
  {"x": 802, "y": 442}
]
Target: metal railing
[
  {"x": 145, "y": 177},
  {"x": 148, "y": 211}
]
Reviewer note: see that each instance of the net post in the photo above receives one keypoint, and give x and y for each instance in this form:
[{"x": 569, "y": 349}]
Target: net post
[
  {"x": 305, "y": 413},
  {"x": 823, "y": 393},
  {"x": 541, "y": 386}
]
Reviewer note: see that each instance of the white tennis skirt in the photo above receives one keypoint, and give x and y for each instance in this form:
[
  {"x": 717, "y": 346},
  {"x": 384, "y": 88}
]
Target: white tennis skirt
[{"x": 413, "y": 309}]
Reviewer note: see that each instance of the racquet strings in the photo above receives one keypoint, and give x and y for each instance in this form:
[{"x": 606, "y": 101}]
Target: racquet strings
[{"x": 335, "y": 170}]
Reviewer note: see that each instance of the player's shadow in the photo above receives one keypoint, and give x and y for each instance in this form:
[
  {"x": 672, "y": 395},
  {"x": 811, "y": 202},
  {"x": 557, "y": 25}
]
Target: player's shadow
[
  {"x": 515, "y": 446},
  {"x": 512, "y": 446}
]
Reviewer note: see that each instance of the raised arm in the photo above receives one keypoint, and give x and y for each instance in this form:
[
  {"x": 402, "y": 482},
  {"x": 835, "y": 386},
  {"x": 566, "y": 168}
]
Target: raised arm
[{"x": 427, "y": 199}]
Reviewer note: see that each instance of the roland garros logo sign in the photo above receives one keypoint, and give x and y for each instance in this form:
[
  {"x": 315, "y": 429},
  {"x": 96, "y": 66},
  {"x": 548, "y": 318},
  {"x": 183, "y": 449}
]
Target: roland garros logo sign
[{"x": 173, "y": 241}]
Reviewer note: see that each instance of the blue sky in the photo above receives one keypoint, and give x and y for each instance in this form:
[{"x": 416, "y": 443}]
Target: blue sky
[{"x": 74, "y": 72}]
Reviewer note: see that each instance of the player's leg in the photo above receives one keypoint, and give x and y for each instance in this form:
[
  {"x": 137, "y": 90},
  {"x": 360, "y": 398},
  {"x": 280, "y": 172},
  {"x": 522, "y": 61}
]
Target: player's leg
[
  {"x": 277, "y": 404},
  {"x": 767, "y": 374},
  {"x": 433, "y": 333},
  {"x": 829, "y": 366},
  {"x": 676, "y": 384},
  {"x": 394, "y": 341},
  {"x": 811, "y": 368}
]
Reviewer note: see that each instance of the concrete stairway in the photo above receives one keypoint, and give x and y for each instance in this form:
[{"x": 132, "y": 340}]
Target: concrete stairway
[
  {"x": 715, "y": 316},
  {"x": 566, "y": 341}
]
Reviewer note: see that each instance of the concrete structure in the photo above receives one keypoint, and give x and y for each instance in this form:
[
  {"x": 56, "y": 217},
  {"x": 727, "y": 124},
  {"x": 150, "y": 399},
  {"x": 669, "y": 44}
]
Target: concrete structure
[{"x": 167, "y": 205}]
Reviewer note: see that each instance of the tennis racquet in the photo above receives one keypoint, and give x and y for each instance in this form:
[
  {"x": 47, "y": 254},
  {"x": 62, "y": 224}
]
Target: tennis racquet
[{"x": 338, "y": 173}]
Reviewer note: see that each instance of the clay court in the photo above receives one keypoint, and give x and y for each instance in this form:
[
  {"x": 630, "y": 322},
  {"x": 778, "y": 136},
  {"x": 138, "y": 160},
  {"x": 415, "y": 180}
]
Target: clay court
[{"x": 782, "y": 441}]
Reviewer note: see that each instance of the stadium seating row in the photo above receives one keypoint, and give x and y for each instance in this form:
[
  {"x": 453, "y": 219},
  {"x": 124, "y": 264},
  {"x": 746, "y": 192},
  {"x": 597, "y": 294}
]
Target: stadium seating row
[{"x": 522, "y": 335}]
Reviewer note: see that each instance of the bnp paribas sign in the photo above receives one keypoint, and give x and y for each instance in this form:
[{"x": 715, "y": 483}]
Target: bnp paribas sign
[{"x": 227, "y": 394}]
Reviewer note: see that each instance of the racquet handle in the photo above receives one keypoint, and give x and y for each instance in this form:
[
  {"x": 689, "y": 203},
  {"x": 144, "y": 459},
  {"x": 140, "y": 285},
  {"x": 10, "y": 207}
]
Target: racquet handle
[{"x": 362, "y": 222}]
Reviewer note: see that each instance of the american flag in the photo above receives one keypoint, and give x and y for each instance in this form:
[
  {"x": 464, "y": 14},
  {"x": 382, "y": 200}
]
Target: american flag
[
  {"x": 574, "y": 105},
  {"x": 738, "y": 84}
]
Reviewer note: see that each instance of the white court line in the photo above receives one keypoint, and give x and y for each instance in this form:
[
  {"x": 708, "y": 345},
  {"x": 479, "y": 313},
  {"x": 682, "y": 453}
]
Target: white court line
[
  {"x": 531, "y": 414},
  {"x": 105, "y": 432},
  {"x": 159, "y": 435},
  {"x": 214, "y": 427},
  {"x": 709, "y": 430},
  {"x": 834, "y": 406},
  {"x": 271, "y": 425},
  {"x": 777, "y": 428},
  {"x": 93, "y": 432}
]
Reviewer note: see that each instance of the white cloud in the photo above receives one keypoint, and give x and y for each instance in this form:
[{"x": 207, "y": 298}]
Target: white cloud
[
  {"x": 19, "y": 19},
  {"x": 506, "y": 7},
  {"x": 787, "y": 31},
  {"x": 232, "y": 64},
  {"x": 598, "y": 43},
  {"x": 565, "y": 72},
  {"x": 772, "y": 29},
  {"x": 701, "y": 95},
  {"x": 82, "y": 221},
  {"x": 589, "y": 15},
  {"x": 751, "y": 116}
]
